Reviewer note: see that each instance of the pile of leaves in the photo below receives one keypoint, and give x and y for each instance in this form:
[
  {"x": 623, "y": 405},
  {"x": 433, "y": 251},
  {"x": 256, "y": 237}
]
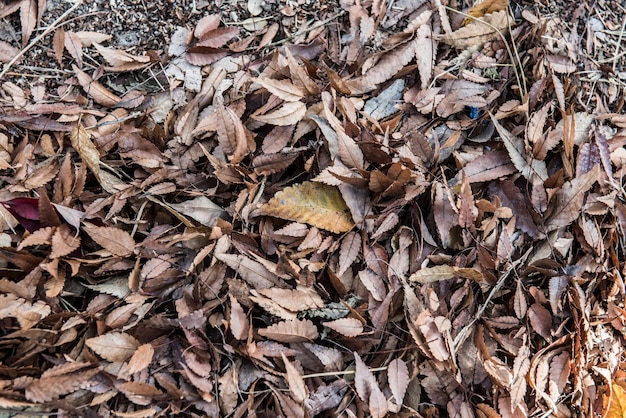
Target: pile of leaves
[{"x": 411, "y": 208}]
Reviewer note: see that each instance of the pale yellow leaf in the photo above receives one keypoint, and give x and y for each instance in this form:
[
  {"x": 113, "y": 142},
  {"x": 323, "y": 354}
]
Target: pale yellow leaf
[
  {"x": 312, "y": 203},
  {"x": 114, "y": 346},
  {"x": 485, "y": 7}
]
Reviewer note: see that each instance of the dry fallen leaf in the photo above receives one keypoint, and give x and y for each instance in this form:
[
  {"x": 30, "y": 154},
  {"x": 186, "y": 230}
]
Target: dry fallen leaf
[
  {"x": 312, "y": 203},
  {"x": 291, "y": 331},
  {"x": 113, "y": 346},
  {"x": 488, "y": 27}
]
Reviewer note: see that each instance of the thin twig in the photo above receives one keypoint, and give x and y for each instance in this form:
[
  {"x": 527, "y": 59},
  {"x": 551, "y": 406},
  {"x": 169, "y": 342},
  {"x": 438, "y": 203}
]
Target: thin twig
[{"x": 49, "y": 29}]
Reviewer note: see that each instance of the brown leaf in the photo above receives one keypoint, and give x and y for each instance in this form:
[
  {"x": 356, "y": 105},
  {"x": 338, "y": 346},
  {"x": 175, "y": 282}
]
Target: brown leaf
[
  {"x": 389, "y": 65},
  {"x": 119, "y": 60},
  {"x": 488, "y": 166},
  {"x": 118, "y": 242},
  {"x": 295, "y": 381},
  {"x": 348, "y": 327},
  {"x": 114, "y": 346},
  {"x": 267, "y": 164},
  {"x": 425, "y": 56},
  {"x": 288, "y": 113},
  {"x": 296, "y": 300},
  {"x": 251, "y": 271},
  {"x": 64, "y": 241},
  {"x": 140, "y": 360},
  {"x": 207, "y": 24},
  {"x": 42, "y": 236},
  {"x": 95, "y": 90},
  {"x": 291, "y": 331},
  {"x": 74, "y": 47},
  {"x": 201, "y": 209},
  {"x": 312, "y": 203},
  {"x": 202, "y": 55},
  {"x": 517, "y": 151},
  {"x": 27, "y": 314},
  {"x": 540, "y": 320},
  {"x": 398, "y": 378},
  {"x": 231, "y": 133},
  {"x": 50, "y": 388},
  {"x": 368, "y": 390},
  {"x": 28, "y": 18},
  {"x": 349, "y": 251},
  {"x": 238, "y": 320},
  {"x": 478, "y": 31},
  {"x": 283, "y": 89},
  {"x": 7, "y": 52},
  {"x": 219, "y": 37},
  {"x": 569, "y": 199}
]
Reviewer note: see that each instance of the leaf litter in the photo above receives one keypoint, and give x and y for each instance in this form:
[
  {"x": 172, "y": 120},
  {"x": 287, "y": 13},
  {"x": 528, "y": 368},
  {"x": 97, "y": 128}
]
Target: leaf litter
[{"x": 413, "y": 210}]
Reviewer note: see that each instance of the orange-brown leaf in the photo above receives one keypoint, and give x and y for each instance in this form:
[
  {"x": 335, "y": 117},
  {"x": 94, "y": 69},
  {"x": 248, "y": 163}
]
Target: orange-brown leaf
[
  {"x": 617, "y": 404},
  {"x": 312, "y": 203},
  {"x": 486, "y": 7}
]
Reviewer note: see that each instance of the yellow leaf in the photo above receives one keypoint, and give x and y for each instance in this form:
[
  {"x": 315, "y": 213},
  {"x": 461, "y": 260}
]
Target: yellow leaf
[
  {"x": 312, "y": 203},
  {"x": 617, "y": 405},
  {"x": 485, "y": 7}
]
